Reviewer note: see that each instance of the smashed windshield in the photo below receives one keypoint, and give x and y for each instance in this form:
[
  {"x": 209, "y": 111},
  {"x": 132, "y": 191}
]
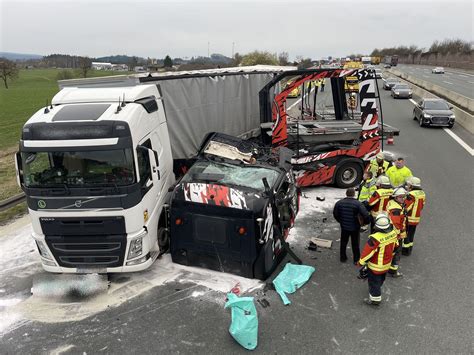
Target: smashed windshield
[
  {"x": 227, "y": 174},
  {"x": 78, "y": 168}
]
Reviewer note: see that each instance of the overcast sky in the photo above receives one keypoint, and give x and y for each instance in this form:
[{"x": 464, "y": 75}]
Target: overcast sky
[{"x": 183, "y": 28}]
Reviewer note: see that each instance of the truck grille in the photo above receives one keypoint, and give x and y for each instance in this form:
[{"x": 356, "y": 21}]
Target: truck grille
[
  {"x": 93, "y": 251},
  {"x": 87, "y": 241}
]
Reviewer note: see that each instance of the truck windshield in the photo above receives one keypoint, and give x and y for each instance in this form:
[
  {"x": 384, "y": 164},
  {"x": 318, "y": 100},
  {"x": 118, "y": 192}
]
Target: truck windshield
[
  {"x": 78, "y": 168},
  {"x": 228, "y": 174}
]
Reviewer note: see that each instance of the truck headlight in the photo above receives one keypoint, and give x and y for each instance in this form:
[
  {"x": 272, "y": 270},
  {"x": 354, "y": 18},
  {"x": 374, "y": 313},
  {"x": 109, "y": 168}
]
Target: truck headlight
[
  {"x": 452, "y": 116},
  {"x": 136, "y": 248},
  {"x": 397, "y": 93},
  {"x": 425, "y": 115},
  {"x": 43, "y": 250}
]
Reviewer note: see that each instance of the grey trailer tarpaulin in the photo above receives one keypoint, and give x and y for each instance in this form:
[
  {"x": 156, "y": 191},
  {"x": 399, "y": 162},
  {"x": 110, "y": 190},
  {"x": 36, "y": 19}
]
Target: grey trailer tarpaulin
[{"x": 198, "y": 102}]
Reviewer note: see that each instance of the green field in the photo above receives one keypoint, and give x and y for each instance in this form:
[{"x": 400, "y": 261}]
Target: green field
[{"x": 25, "y": 96}]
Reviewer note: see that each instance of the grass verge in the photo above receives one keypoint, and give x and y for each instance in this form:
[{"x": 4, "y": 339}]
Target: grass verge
[{"x": 12, "y": 213}]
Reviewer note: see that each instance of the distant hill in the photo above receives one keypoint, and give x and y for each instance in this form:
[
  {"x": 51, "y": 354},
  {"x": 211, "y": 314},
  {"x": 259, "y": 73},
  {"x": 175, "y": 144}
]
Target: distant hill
[
  {"x": 19, "y": 56},
  {"x": 118, "y": 59}
]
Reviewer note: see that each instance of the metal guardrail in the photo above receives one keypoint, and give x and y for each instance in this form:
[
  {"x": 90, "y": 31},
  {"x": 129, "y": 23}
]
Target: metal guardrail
[{"x": 12, "y": 201}]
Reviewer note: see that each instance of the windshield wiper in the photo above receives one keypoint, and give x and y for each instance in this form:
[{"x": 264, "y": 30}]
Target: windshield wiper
[{"x": 63, "y": 185}]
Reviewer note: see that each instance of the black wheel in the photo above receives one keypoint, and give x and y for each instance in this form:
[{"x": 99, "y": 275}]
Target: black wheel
[
  {"x": 414, "y": 116},
  {"x": 163, "y": 239},
  {"x": 420, "y": 121},
  {"x": 348, "y": 174}
]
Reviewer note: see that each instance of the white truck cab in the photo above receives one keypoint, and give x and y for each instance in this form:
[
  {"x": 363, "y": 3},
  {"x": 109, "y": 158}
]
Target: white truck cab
[{"x": 96, "y": 167}]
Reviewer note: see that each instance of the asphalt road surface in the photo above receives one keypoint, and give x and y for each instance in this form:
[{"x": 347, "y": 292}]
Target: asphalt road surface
[
  {"x": 453, "y": 80},
  {"x": 429, "y": 310}
]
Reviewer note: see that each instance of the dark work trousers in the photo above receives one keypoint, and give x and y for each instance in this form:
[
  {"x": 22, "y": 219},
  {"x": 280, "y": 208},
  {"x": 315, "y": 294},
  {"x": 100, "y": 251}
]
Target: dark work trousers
[
  {"x": 355, "y": 240},
  {"x": 372, "y": 224},
  {"x": 375, "y": 286},
  {"x": 396, "y": 257},
  {"x": 408, "y": 241}
]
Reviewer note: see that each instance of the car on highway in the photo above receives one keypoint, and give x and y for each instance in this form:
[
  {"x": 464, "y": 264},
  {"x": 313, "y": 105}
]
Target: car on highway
[
  {"x": 434, "y": 112},
  {"x": 437, "y": 70},
  {"x": 400, "y": 91},
  {"x": 378, "y": 73},
  {"x": 389, "y": 83},
  {"x": 386, "y": 66}
]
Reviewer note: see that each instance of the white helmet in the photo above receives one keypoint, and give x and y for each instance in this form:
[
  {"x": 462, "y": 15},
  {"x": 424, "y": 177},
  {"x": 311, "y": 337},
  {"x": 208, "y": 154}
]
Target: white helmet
[
  {"x": 382, "y": 221},
  {"x": 380, "y": 155},
  {"x": 400, "y": 191},
  {"x": 383, "y": 180},
  {"x": 414, "y": 181}
]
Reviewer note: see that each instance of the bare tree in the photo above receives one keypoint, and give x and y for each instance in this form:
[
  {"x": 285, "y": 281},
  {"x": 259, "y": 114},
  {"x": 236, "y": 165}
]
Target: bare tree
[
  {"x": 132, "y": 63},
  {"x": 237, "y": 59},
  {"x": 8, "y": 71},
  {"x": 283, "y": 58},
  {"x": 85, "y": 65}
]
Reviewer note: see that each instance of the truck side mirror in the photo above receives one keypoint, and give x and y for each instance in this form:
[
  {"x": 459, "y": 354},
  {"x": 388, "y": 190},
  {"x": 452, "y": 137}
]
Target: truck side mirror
[{"x": 18, "y": 169}]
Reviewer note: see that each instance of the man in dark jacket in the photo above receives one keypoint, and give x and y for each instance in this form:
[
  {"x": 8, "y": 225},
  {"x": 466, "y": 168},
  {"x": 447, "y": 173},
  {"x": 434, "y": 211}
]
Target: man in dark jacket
[{"x": 350, "y": 213}]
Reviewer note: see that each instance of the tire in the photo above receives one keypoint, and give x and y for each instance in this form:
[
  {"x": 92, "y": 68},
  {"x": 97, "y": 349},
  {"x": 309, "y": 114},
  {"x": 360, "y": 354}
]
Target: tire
[
  {"x": 348, "y": 175},
  {"x": 163, "y": 239},
  {"x": 420, "y": 121},
  {"x": 414, "y": 116}
]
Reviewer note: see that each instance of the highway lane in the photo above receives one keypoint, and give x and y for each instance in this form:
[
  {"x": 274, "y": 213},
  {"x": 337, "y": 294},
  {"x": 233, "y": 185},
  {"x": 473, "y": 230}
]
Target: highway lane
[
  {"x": 429, "y": 310},
  {"x": 456, "y": 81}
]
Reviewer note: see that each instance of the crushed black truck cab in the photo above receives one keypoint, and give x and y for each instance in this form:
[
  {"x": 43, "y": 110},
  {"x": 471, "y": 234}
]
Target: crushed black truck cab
[{"x": 233, "y": 209}]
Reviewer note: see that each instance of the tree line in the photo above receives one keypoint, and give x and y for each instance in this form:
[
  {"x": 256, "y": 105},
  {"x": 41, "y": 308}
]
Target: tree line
[{"x": 453, "y": 46}]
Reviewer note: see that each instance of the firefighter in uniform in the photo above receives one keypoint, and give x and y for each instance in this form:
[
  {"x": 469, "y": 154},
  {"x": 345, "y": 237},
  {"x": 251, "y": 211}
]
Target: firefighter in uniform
[
  {"x": 377, "y": 255},
  {"x": 415, "y": 203},
  {"x": 378, "y": 201},
  {"x": 379, "y": 165},
  {"x": 398, "y": 216}
]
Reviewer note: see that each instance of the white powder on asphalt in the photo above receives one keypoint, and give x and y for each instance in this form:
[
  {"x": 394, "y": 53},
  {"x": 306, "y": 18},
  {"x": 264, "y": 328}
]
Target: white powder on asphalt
[{"x": 48, "y": 304}]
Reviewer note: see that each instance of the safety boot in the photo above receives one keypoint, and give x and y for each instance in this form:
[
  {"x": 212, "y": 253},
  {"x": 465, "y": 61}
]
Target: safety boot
[
  {"x": 369, "y": 302},
  {"x": 395, "y": 274}
]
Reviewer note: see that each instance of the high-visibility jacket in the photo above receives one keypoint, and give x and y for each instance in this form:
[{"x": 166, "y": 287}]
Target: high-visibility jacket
[
  {"x": 415, "y": 202},
  {"x": 379, "y": 200},
  {"x": 367, "y": 189},
  {"x": 377, "y": 169},
  {"x": 398, "y": 176},
  {"x": 378, "y": 251},
  {"x": 396, "y": 212}
]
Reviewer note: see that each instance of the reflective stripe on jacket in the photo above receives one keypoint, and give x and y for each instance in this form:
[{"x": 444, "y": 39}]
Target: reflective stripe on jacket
[
  {"x": 397, "y": 217},
  {"x": 415, "y": 202},
  {"x": 398, "y": 176},
  {"x": 367, "y": 189},
  {"x": 377, "y": 169},
  {"x": 378, "y": 252},
  {"x": 379, "y": 200}
]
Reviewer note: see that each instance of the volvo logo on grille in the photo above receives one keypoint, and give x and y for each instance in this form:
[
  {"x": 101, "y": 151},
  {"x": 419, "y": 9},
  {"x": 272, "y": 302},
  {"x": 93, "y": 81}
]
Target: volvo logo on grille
[{"x": 78, "y": 203}]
